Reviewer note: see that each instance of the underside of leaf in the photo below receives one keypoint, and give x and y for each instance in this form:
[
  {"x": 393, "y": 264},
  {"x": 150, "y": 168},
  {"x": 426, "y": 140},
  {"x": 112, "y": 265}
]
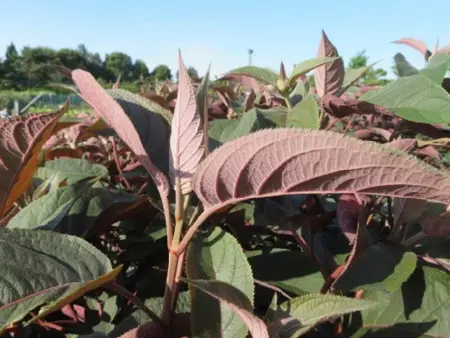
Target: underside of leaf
[
  {"x": 187, "y": 146},
  {"x": 111, "y": 111},
  {"x": 21, "y": 140},
  {"x": 296, "y": 161},
  {"x": 330, "y": 76}
]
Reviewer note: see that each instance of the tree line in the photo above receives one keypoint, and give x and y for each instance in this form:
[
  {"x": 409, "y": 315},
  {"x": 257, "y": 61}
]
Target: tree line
[{"x": 29, "y": 67}]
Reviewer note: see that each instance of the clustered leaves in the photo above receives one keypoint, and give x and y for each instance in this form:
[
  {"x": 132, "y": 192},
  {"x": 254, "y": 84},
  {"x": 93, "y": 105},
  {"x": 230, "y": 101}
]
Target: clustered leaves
[{"x": 256, "y": 205}]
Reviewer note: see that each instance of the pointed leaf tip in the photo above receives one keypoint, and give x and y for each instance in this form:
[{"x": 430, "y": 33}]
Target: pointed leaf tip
[
  {"x": 330, "y": 76},
  {"x": 187, "y": 147}
]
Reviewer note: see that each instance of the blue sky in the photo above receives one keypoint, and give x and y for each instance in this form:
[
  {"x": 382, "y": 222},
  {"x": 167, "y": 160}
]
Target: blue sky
[{"x": 221, "y": 32}]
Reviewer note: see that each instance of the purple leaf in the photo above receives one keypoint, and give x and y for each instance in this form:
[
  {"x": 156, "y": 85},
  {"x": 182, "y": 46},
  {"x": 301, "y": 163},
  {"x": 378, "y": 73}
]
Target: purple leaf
[
  {"x": 113, "y": 114},
  {"x": 417, "y": 45},
  {"x": 329, "y": 77},
  {"x": 187, "y": 147},
  {"x": 294, "y": 161}
]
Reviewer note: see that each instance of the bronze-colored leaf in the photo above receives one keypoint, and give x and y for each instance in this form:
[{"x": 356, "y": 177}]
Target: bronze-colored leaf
[
  {"x": 330, "y": 76},
  {"x": 21, "y": 140},
  {"x": 296, "y": 161}
]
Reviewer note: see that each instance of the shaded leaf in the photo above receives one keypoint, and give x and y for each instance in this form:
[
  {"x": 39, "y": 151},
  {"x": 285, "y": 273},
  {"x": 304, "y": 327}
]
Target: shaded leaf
[
  {"x": 218, "y": 256},
  {"x": 423, "y": 301},
  {"x": 202, "y": 107},
  {"x": 74, "y": 210},
  {"x": 139, "y": 317},
  {"x": 290, "y": 270},
  {"x": 385, "y": 267},
  {"x": 237, "y": 301},
  {"x": 306, "y": 66},
  {"x": 44, "y": 267},
  {"x": 139, "y": 100},
  {"x": 263, "y": 75},
  {"x": 111, "y": 111},
  {"x": 249, "y": 101},
  {"x": 415, "y": 98},
  {"x": 152, "y": 126},
  {"x": 71, "y": 170},
  {"x": 187, "y": 147},
  {"x": 21, "y": 140},
  {"x": 297, "y": 316},
  {"x": 222, "y": 131},
  {"x": 265, "y": 164},
  {"x": 404, "y": 68},
  {"x": 305, "y": 114},
  {"x": 329, "y": 77}
]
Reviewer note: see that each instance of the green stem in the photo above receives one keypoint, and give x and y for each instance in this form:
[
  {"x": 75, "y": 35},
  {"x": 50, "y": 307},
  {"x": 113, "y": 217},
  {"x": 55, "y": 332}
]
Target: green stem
[{"x": 171, "y": 287}]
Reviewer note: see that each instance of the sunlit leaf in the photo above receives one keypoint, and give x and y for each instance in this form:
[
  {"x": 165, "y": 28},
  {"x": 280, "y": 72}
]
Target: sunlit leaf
[
  {"x": 21, "y": 140},
  {"x": 329, "y": 77},
  {"x": 294, "y": 161},
  {"x": 308, "y": 65},
  {"x": 416, "y": 98},
  {"x": 297, "y": 316},
  {"x": 419, "y": 308},
  {"x": 187, "y": 146},
  {"x": 263, "y": 75},
  {"x": 305, "y": 114}
]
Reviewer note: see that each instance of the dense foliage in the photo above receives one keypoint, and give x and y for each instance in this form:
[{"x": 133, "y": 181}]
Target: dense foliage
[
  {"x": 30, "y": 67},
  {"x": 257, "y": 205}
]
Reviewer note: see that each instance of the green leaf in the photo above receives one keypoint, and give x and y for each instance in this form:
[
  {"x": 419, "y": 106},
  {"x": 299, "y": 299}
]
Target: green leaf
[
  {"x": 222, "y": 131},
  {"x": 305, "y": 114},
  {"x": 420, "y": 307},
  {"x": 352, "y": 75},
  {"x": 297, "y": 316},
  {"x": 73, "y": 210},
  {"x": 218, "y": 256},
  {"x": 416, "y": 98},
  {"x": 139, "y": 317},
  {"x": 306, "y": 66},
  {"x": 289, "y": 270},
  {"x": 437, "y": 67},
  {"x": 404, "y": 68},
  {"x": 263, "y": 75},
  {"x": 45, "y": 267},
  {"x": 237, "y": 301},
  {"x": 71, "y": 169},
  {"x": 384, "y": 266}
]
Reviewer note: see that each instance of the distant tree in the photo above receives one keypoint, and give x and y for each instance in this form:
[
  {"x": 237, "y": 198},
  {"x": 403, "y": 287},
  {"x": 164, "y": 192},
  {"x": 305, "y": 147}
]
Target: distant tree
[
  {"x": 372, "y": 76},
  {"x": 140, "y": 69},
  {"x": 118, "y": 63},
  {"x": 193, "y": 73},
  {"x": 11, "y": 76},
  {"x": 32, "y": 64},
  {"x": 71, "y": 58},
  {"x": 161, "y": 73}
]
